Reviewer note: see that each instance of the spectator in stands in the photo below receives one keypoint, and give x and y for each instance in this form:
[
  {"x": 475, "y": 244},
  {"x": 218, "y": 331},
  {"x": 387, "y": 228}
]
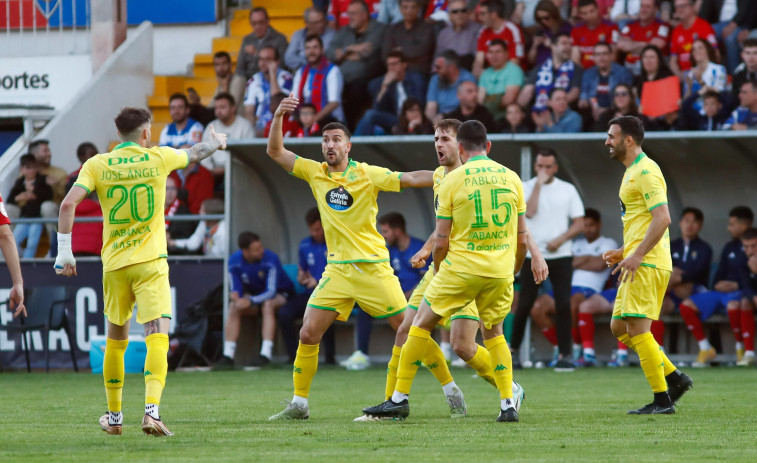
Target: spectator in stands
[
  {"x": 209, "y": 238},
  {"x": 560, "y": 118},
  {"x": 290, "y": 125},
  {"x": 320, "y": 82},
  {"x": 175, "y": 204},
  {"x": 84, "y": 151},
  {"x": 549, "y": 24},
  {"x": 413, "y": 37},
  {"x": 28, "y": 193},
  {"x": 469, "y": 109},
  {"x": 682, "y": 38},
  {"x": 315, "y": 23},
  {"x": 412, "y": 121},
  {"x": 551, "y": 206},
  {"x": 388, "y": 92},
  {"x": 557, "y": 71},
  {"x": 729, "y": 19},
  {"x": 198, "y": 111},
  {"x": 590, "y": 274},
  {"x": 749, "y": 240},
  {"x": 441, "y": 96},
  {"x": 624, "y": 12},
  {"x": 704, "y": 75},
  {"x": 340, "y": 16},
  {"x": 653, "y": 68},
  {"x": 389, "y": 12},
  {"x": 247, "y": 59},
  {"x": 747, "y": 70},
  {"x": 55, "y": 177},
  {"x": 636, "y": 35},
  {"x": 308, "y": 126},
  {"x": 726, "y": 295},
  {"x": 183, "y": 131},
  {"x": 235, "y": 127},
  {"x": 197, "y": 181},
  {"x": 623, "y": 104},
  {"x": 515, "y": 120},
  {"x": 713, "y": 118},
  {"x": 270, "y": 80},
  {"x": 312, "y": 261},
  {"x": 222, "y": 69},
  {"x": 599, "y": 82},
  {"x": 500, "y": 83},
  {"x": 592, "y": 31},
  {"x": 603, "y": 9},
  {"x": 745, "y": 116},
  {"x": 496, "y": 26},
  {"x": 356, "y": 49},
  {"x": 460, "y": 35},
  {"x": 88, "y": 240},
  {"x": 259, "y": 284}
]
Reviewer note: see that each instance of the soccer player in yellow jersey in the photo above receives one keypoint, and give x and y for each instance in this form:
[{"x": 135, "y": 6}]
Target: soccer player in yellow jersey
[
  {"x": 480, "y": 243},
  {"x": 644, "y": 263},
  {"x": 130, "y": 182},
  {"x": 357, "y": 267}
]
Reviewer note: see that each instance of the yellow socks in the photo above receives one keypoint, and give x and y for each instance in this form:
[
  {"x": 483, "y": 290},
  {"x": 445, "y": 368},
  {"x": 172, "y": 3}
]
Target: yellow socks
[
  {"x": 481, "y": 362},
  {"x": 156, "y": 367},
  {"x": 436, "y": 363},
  {"x": 651, "y": 361},
  {"x": 113, "y": 372},
  {"x": 391, "y": 372},
  {"x": 668, "y": 365},
  {"x": 502, "y": 364},
  {"x": 305, "y": 366},
  {"x": 413, "y": 354},
  {"x": 626, "y": 339}
]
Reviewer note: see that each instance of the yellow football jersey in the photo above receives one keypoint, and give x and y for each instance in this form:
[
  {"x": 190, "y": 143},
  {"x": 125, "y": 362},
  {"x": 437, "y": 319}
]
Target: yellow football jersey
[
  {"x": 483, "y": 199},
  {"x": 439, "y": 175},
  {"x": 130, "y": 182},
  {"x": 642, "y": 190},
  {"x": 347, "y": 203}
]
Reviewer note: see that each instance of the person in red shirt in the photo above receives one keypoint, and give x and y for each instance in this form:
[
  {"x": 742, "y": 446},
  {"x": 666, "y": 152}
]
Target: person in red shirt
[
  {"x": 642, "y": 32},
  {"x": 497, "y": 27},
  {"x": 10, "y": 252},
  {"x": 198, "y": 181},
  {"x": 682, "y": 39},
  {"x": 87, "y": 238},
  {"x": 337, "y": 12},
  {"x": 591, "y": 32}
]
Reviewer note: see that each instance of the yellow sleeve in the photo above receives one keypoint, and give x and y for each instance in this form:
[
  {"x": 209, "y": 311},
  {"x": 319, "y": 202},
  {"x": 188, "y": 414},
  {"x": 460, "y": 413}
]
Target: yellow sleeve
[
  {"x": 444, "y": 211},
  {"x": 304, "y": 168},
  {"x": 521, "y": 196},
  {"x": 383, "y": 179},
  {"x": 86, "y": 178},
  {"x": 173, "y": 158},
  {"x": 652, "y": 187}
]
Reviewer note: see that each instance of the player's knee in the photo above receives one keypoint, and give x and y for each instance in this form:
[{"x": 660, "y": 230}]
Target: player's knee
[
  {"x": 618, "y": 327},
  {"x": 464, "y": 350},
  {"x": 309, "y": 336}
]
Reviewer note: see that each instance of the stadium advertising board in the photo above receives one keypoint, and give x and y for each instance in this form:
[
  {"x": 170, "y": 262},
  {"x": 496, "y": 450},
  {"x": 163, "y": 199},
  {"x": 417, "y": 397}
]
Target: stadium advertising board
[{"x": 49, "y": 80}]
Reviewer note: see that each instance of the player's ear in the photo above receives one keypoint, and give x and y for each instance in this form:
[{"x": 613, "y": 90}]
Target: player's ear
[{"x": 488, "y": 146}]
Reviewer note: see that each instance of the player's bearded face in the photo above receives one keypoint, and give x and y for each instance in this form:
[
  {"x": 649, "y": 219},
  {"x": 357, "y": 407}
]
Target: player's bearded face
[
  {"x": 615, "y": 143},
  {"x": 335, "y": 148},
  {"x": 445, "y": 143}
]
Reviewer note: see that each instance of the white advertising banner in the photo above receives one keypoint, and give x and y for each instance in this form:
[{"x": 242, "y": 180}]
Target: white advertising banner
[{"x": 44, "y": 80}]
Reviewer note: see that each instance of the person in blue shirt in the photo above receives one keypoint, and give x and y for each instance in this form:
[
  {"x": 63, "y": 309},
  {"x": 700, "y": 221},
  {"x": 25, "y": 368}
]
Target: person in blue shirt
[
  {"x": 749, "y": 240},
  {"x": 402, "y": 247},
  {"x": 259, "y": 284},
  {"x": 728, "y": 285},
  {"x": 745, "y": 116},
  {"x": 312, "y": 262}
]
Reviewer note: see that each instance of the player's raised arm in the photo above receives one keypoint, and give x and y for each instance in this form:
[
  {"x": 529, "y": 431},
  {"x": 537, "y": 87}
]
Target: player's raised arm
[
  {"x": 65, "y": 264},
  {"x": 417, "y": 179},
  {"x": 10, "y": 252},
  {"x": 204, "y": 149},
  {"x": 276, "y": 150}
]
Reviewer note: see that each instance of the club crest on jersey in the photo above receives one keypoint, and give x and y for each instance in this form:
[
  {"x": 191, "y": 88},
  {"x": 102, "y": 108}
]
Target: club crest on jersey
[{"x": 339, "y": 199}]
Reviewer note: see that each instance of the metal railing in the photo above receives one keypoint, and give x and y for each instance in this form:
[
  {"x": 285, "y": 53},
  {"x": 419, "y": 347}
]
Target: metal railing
[{"x": 52, "y": 21}]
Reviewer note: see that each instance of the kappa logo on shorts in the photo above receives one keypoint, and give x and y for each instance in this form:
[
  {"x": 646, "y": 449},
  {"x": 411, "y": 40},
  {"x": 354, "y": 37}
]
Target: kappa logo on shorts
[{"x": 339, "y": 199}]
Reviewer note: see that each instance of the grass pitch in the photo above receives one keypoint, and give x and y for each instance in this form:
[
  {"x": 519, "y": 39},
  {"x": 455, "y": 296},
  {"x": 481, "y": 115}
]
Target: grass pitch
[{"x": 576, "y": 416}]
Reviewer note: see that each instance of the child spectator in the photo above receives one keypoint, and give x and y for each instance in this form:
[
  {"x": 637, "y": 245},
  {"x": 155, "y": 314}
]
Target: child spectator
[
  {"x": 412, "y": 120},
  {"x": 308, "y": 125},
  {"x": 28, "y": 193},
  {"x": 516, "y": 120}
]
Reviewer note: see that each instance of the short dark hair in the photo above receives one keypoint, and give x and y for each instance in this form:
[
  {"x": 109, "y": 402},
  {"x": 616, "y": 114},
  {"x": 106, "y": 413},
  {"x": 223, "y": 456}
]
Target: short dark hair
[
  {"x": 130, "y": 119},
  {"x": 749, "y": 234},
  {"x": 179, "y": 96},
  {"x": 311, "y": 37},
  {"x": 451, "y": 57},
  {"x": 555, "y": 90},
  {"x": 396, "y": 54},
  {"x": 361, "y": 3},
  {"x": 630, "y": 126},
  {"x": 561, "y": 34},
  {"x": 586, "y": 3},
  {"x": 27, "y": 160},
  {"x": 472, "y": 136},
  {"x": 742, "y": 213},
  {"x": 393, "y": 220},
  {"x": 83, "y": 149},
  {"x": 225, "y": 96},
  {"x": 222, "y": 54},
  {"x": 337, "y": 126},
  {"x": 246, "y": 238},
  {"x": 495, "y": 6},
  {"x": 547, "y": 151},
  {"x": 213, "y": 206},
  {"x": 603, "y": 44},
  {"x": 309, "y": 106},
  {"x": 753, "y": 83},
  {"x": 591, "y": 213},
  {"x": 448, "y": 124},
  {"x": 259, "y": 9},
  {"x": 36, "y": 143},
  {"x": 750, "y": 42},
  {"x": 500, "y": 42},
  {"x": 276, "y": 55},
  {"x": 696, "y": 212},
  {"x": 312, "y": 216},
  {"x": 712, "y": 94}
]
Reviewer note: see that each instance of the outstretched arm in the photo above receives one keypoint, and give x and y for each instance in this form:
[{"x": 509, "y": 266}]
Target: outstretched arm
[
  {"x": 417, "y": 179},
  {"x": 276, "y": 150},
  {"x": 204, "y": 149},
  {"x": 65, "y": 264},
  {"x": 10, "y": 252}
]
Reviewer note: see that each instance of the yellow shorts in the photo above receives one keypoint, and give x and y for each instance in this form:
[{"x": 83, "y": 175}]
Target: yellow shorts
[
  {"x": 449, "y": 293},
  {"x": 643, "y": 296},
  {"x": 469, "y": 311},
  {"x": 146, "y": 284},
  {"x": 372, "y": 285}
]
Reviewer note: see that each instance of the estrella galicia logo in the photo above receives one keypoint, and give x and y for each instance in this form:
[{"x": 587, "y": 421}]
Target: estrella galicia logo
[
  {"x": 622, "y": 208},
  {"x": 339, "y": 199}
]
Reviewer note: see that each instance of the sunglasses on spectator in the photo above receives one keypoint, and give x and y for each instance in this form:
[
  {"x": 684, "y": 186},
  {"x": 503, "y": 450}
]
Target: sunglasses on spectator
[
  {"x": 459, "y": 10},
  {"x": 621, "y": 93}
]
